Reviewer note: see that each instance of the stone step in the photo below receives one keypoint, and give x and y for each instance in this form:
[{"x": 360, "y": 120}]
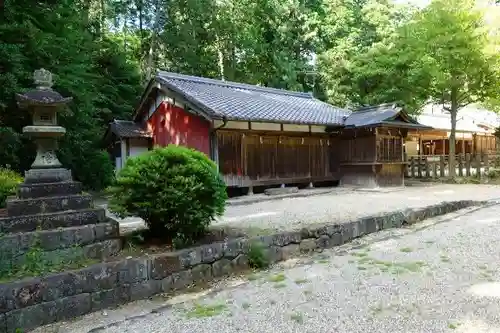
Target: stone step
[
  {"x": 15, "y": 247},
  {"x": 27, "y": 190},
  {"x": 17, "y": 207},
  {"x": 49, "y": 221}
]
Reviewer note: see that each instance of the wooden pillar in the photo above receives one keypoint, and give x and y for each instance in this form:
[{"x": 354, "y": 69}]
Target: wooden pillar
[
  {"x": 460, "y": 160},
  {"x": 474, "y": 143},
  {"x": 419, "y": 144},
  {"x": 467, "y": 165},
  {"x": 123, "y": 152},
  {"x": 486, "y": 163},
  {"x": 441, "y": 166},
  {"x": 477, "y": 162}
]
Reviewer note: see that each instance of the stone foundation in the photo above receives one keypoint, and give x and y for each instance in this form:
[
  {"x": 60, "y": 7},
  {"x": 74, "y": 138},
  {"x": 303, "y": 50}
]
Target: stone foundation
[
  {"x": 18, "y": 207},
  {"x": 27, "y": 191},
  {"x": 52, "y": 220},
  {"x": 34, "y": 302}
]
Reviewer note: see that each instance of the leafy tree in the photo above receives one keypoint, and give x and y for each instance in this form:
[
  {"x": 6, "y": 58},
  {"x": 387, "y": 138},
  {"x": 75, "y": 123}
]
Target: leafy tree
[
  {"x": 450, "y": 44},
  {"x": 350, "y": 30}
]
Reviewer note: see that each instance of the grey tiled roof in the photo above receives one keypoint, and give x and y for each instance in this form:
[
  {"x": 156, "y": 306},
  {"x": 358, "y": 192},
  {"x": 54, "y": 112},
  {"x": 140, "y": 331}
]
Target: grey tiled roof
[
  {"x": 128, "y": 129},
  {"x": 237, "y": 101},
  {"x": 372, "y": 115},
  {"x": 380, "y": 114}
]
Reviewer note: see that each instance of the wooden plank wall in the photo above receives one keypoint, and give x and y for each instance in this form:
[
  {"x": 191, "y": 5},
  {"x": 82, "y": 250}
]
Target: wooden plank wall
[
  {"x": 357, "y": 149},
  {"x": 389, "y": 149},
  {"x": 247, "y": 159},
  {"x": 391, "y": 175}
]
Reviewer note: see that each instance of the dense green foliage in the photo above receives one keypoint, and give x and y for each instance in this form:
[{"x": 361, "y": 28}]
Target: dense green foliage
[
  {"x": 8, "y": 184},
  {"x": 176, "y": 190},
  {"x": 91, "y": 68},
  {"x": 104, "y": 51}
]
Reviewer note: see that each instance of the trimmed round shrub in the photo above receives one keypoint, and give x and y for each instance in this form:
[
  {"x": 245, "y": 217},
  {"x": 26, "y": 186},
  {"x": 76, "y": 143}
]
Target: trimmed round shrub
[
  {"x": 8, "y": 184},
  {"x": 176, "y": 190}
]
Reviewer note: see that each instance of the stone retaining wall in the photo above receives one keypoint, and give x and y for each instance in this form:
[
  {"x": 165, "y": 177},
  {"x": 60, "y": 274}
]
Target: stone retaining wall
[
  {"x": 87, "y": 240},
  {"x": 34, "y": 302}
]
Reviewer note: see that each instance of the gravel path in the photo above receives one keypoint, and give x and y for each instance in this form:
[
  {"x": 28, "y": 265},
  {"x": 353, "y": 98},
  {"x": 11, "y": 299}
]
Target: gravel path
[
  {"x": 337, "y": 206},
  {"x": 293, "y": 213},
  {"x": 438, "y": 276}
]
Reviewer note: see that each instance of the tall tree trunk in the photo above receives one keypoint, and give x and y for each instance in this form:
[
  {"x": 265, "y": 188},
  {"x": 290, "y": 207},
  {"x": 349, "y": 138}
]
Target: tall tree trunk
[
  {"x": 150, "y": 60},
  {"x": 220, "y": 55},
  {"x": 453, "y": 118},
  {"x": 102, "y": 18}
]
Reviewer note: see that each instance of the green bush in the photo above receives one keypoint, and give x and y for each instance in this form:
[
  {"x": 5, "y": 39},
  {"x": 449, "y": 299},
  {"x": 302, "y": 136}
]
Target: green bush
[
  {"x": 176, "y": 190},
  {"x": 493, "y": 173},
  {"x": 8, "y": 184},
  {"x": 257, "y": 256}
]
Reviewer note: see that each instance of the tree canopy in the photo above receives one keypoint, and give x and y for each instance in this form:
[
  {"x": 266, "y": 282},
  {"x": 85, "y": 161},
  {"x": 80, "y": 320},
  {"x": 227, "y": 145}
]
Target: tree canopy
[{"x": 446, "y": 54}]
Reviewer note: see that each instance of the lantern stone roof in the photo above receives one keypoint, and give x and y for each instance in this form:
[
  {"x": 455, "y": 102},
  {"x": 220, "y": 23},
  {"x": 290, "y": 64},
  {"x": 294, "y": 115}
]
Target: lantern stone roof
[{"x": 43, "y": 95}]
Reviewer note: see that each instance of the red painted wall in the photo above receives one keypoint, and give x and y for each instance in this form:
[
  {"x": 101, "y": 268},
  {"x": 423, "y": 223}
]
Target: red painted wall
[{"x": 172, "y": 125}]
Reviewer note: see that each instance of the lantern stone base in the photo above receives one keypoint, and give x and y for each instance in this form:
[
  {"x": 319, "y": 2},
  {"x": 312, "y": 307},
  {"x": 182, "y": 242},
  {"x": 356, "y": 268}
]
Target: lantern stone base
[
  {"x": 37, "y": 176},
  {"x": 27, "y": 191},
  {"x": 44, "y": 205}
]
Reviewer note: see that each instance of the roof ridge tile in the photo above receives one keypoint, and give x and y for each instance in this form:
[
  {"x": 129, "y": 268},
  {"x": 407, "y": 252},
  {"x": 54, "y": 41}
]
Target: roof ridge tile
[{"x": 232, "y": 84}]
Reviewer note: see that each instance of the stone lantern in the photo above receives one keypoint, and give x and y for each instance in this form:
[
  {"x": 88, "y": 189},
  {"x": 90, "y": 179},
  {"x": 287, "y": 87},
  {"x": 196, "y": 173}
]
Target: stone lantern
[{"x": 44, "y": 105}]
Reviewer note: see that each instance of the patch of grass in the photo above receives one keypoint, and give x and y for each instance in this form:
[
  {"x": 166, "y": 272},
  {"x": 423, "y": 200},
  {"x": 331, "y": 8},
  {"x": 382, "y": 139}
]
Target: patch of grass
[
  {"x": 257, "y": 256},
  {"x": 280, "y": 285},
  {"x": 377, "y": 309},
  {"x": 297, "y": 317},
  {"x": 323, "y": 261},
  {"x": 444, "y": 258},
  {"x": 301, "y": 281},
  {"x": 406, "y": 249},
  {"x": 453, "y": 326},
  {"x": 390, "y": 266},
  {"x": 277, "y": 278},
  {"x": 203, "y": 311},
  {"x": 245, "y": 306},
  {"x": 322, "y": 257},
  {"x": 360, "y": 254},
  {"x": 414, "y": 266},
  {"x": 307, "y": 292},
  {"x": 252, "y": 277}
]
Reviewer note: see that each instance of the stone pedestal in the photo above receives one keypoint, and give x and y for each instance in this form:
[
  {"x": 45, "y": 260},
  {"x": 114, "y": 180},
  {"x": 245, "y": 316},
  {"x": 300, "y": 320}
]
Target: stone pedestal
[
  {"x": 50, "y": 212},
  {"x": 59, "y": 219}
]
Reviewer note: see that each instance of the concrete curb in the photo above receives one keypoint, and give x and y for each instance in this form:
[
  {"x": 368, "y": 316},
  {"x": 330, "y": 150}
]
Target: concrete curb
[
  {"x": 264, "y": 198},
  {"x": 35, "y": 302}
]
